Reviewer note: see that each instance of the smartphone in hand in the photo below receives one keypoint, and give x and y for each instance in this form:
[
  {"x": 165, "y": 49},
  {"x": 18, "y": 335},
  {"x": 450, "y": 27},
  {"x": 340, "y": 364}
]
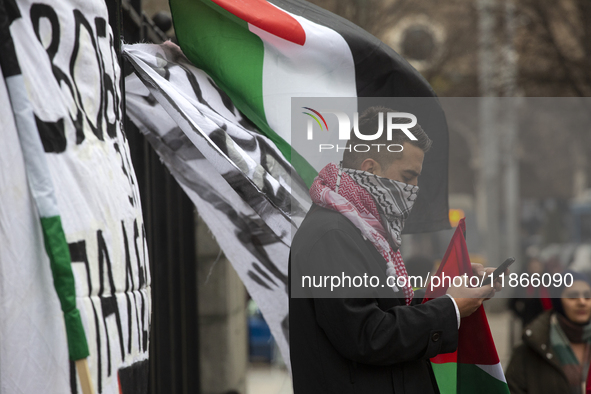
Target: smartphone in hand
[{"x": 497, "y": 273}]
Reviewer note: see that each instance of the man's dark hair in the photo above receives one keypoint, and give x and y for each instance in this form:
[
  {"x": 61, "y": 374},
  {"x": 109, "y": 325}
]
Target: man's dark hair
[{"x": 368, "y": 125}]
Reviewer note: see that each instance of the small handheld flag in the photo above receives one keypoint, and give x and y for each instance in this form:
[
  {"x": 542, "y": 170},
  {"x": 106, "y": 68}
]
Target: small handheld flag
[{"x": 474, "y": 366}]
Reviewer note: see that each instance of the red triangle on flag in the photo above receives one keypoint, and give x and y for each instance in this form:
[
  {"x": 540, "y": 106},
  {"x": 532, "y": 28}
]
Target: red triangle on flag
[
  {"x": 456, "y": 262},
  {"x": 267, "y": 17}
]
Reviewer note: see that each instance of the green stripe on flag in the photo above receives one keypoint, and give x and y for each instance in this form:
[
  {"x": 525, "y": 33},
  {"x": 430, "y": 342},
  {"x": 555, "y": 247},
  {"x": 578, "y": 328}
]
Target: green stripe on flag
[
  {"x": 221, "y": 44},
  {"x": 462, "y": 378},
  {"x": 472, "y": 379},
  {"x": 446, "y": 376},
  {"x": 303, "y": 168},
  {"x": 63, "y": 281}
]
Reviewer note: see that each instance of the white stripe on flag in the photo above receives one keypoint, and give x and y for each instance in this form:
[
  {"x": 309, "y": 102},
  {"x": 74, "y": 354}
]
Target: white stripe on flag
[
  {"x": 322, "y": 67},
  {"x": 495, "y": 370},
  {"x": 33, "y": 152}
]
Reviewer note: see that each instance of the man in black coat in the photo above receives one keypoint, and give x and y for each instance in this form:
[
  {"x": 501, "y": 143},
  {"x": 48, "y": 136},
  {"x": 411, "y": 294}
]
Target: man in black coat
[{"x": 368, "y": 338}]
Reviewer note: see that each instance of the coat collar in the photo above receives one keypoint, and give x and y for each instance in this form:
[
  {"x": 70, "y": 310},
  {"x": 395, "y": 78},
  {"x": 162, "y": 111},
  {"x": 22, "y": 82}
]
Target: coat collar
[{"x": 537, "y": 337}]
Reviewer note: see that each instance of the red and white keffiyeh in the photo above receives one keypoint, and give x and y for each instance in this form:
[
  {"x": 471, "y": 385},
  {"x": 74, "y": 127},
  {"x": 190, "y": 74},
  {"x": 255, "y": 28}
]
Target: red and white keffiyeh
[{"x": 334, "y": 188}]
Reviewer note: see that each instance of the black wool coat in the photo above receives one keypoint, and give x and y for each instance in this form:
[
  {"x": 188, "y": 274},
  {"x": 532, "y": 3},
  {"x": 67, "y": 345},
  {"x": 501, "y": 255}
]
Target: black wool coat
[{"x": 365, "y": 344}]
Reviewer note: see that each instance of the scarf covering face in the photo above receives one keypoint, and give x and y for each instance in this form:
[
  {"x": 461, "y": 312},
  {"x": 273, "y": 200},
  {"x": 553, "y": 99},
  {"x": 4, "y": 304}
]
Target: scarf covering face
[
  {"x": 394, "y": 201},
  {"x": 362, "y": 197}
]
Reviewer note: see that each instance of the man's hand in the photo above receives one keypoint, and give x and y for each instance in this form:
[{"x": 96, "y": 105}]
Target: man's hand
[
  {"x": 469, "y": 299},
  {"x": 479, "y": 270}
]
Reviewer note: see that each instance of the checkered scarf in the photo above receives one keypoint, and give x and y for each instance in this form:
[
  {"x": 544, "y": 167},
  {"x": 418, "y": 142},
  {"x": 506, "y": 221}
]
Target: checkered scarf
[{"x": 377, "y": 206}]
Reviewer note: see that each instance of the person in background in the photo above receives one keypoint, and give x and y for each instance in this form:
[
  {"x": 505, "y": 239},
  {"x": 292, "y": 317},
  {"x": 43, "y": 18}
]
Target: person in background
[
  {"x": 556, "y": 350},
  {"x": 530, "y": 302}
]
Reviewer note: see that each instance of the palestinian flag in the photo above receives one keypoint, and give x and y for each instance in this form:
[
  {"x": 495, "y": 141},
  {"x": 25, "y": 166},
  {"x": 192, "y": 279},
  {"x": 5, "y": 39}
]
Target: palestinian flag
[
  {"x": 474, "y": 367},
  {"x": 263, "y": 53}
]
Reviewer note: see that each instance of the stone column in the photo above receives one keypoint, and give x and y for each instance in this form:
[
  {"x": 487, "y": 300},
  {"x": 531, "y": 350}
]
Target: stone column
[{"x": 222, "y": 319}]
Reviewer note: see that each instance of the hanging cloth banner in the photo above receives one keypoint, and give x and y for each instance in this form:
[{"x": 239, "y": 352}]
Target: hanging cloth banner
[
  {"x": 241, "y": 190},
  {"x": 71, "y": 226}
]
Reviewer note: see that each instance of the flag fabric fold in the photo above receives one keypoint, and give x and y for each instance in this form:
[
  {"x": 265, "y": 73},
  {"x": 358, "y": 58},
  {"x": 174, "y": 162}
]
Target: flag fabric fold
[
  {"x": 475, "y": 365},
  {"x": 257, "y": 252},
  {"x": 246, "y": 159}
]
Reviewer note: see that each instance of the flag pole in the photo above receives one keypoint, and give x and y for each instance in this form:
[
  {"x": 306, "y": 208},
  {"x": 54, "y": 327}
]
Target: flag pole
[{"x": 84, "y": 376}]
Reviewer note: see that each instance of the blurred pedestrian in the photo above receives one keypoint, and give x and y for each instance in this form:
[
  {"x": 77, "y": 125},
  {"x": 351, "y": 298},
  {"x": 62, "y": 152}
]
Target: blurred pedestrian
[
  {"x": 530, "y": 302},
  {"x": 556, "y": 350}
]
